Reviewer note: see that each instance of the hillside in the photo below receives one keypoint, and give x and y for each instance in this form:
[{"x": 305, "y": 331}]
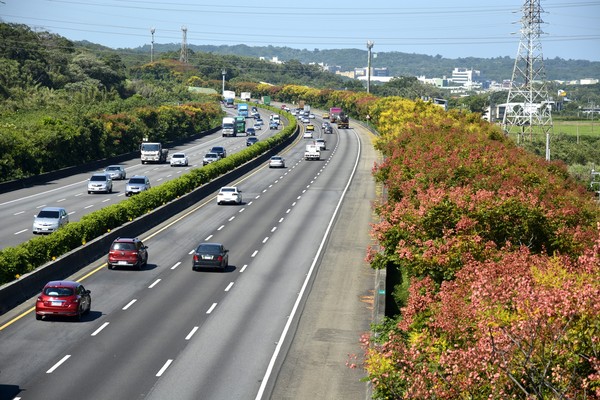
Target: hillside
[{"x": 399, "y": 64}]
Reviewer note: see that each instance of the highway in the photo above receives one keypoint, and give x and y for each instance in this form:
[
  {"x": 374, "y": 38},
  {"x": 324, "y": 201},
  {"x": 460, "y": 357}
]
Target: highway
[
  {"x": 169, "y": 332},
  {"x": 19, "y": 207}
]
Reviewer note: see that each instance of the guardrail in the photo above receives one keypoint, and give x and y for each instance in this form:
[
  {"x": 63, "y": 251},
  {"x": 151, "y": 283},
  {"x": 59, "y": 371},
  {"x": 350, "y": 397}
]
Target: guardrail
[{"x": 30, "y": 284}]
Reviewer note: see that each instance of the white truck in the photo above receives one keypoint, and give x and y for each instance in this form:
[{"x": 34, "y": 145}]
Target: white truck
[
  {"x": 228, "y": 126},
  {"x": 246, "y": 96},
  {"x": 228, "y": 98},
  {"x": 153, "y": 152},
  {"x": 312, "y": 152}
]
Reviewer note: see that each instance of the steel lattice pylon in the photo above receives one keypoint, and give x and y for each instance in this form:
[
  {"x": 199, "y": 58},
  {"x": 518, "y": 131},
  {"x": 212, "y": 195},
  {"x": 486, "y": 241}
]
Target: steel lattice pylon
[{"x": 528, "y": 108}]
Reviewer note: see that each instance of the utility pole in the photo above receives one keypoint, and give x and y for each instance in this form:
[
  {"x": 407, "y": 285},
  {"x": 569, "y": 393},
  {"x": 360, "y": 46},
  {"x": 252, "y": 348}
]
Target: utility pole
[
  {"x": 223, "y": 72},
  {"x": 370, "y": 44},
  {"x": 183, "y": 57},
  {"x": 152, "y": 45},
  {"x": 528, "y": 108}
]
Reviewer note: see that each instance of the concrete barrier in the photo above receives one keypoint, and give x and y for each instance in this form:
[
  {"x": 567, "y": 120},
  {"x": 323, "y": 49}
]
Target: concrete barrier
[{"x": 28, "y": 285}]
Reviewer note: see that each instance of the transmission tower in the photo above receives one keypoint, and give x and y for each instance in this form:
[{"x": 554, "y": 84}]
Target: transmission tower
[
  {"x": 528, "y": 108},
  {"x": 183, "y": 57}
]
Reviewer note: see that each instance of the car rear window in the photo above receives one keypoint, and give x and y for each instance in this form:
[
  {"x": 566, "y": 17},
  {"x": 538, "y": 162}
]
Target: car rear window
[
  {"x": 58, "y": 291},
  {"x": 101, "y": 178},
  {"x": 137, "y": 180},
  {"x": 208, "y": 248},
  {"x": 123, "y": 246}
]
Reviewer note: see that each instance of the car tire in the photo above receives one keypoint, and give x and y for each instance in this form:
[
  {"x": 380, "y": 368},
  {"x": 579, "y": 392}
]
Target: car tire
[
  {"x": 38, "y": 317},
  {"x": 87, "y": 311},
  {"x": 110, "y": 266},
  {"x": 78, "y": 316},
  {"x": 89, "y": 192}
]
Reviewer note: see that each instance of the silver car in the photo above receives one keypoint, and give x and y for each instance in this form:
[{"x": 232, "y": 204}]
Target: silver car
[
  {"x": 116, "y": 172},
  {"x": 210, "y": 158},
  {"x": 50, "y": 219},
  {"x": 100, "y": 182},
  {"x": 137, "y": 184}
]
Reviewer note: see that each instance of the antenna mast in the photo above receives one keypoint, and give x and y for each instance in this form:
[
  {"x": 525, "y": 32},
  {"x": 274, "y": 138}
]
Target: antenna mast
[
  {"x": 528, "y": 108},
  {"x": 183, "y": 57}
]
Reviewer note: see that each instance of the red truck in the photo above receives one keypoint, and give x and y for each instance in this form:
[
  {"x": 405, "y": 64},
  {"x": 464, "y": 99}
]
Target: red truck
[{"x": 333, "y": 114}]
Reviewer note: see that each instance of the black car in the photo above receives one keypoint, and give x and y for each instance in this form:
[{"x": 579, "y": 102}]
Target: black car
[
  {"x": 251, "y": 140},
  {"x": 220, "y": 150},
  {"x": 250, "y": 132},
  {"x": 329, "y": 129},
  {"x": 210, "y": 255}
]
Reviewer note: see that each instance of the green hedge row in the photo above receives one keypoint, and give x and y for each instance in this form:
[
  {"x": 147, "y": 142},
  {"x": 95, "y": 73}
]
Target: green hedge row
[{"x": 26, "y": 257}]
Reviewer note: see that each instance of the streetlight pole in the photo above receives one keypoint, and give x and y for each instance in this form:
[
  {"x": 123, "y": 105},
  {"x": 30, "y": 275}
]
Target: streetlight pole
[
  {"x": 370, "y": 44},
  {"x": 152, "y": 45},
  {"x": 223, "y": 72}
]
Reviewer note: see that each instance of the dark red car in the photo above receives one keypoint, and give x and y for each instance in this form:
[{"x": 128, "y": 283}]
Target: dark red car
[
  {"x": 63, "y": 298},
  {"x": 127, "y": 252}
]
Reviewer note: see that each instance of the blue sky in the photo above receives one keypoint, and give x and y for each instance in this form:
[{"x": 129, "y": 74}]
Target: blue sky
[{"x": 452, "y": 29}]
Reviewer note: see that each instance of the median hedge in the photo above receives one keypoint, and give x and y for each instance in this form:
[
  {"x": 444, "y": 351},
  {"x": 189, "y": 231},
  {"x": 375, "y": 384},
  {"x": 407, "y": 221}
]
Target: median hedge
[{"x": 24, "y": 258}]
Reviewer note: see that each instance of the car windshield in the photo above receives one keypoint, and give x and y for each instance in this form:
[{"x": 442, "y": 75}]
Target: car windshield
[
  {"x": 178, "y": 155},
  {"x": 48, "y": 214},
  {"x": 217, "y": 149},
  {"x": 208, "y": 249},
  {"x": 123, "y": 246},
  {"x": 137, "y": 180},
  {"x": 113, "y": 168},
  {"x": 212, "y": 155},
  {"x": 58, "y": 291},
  {"x": 98, "y": 178},
  {"x": 150, "y": 147}
]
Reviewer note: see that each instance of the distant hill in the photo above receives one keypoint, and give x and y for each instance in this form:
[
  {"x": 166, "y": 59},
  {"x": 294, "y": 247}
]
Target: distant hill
[{"x": 398, "y": 63}]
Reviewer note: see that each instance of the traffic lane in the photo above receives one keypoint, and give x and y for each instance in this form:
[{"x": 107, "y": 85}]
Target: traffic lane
[
  {"x": 339, "y": 308},
  {"x": 239, "y": 340},
  {"x": 74, "y": 198},
  {"x": 117, "y": 362},
  {"x": 115, "y": 289}
]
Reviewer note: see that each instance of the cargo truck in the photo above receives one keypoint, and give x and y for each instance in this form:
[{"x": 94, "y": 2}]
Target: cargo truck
[
  {"x": 246, "y": 96},
  {"x": 229, "y": 97},
  {"x": 153, "y": 152},
  {"x": 242, "y": 109},
  {"x": 312, "y": 152},
  {"x": 343, "y": 122},
  {"x": 266, "y": 100},
  {"x": 333, "y": 114},
  {"x": 228, "y": 126},
  {"x": 240, "y": 124}
]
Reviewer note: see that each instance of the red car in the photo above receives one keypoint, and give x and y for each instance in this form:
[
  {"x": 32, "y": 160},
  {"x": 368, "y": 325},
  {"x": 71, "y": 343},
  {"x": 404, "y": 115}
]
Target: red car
[
  {"x": 127, "y": 252},
  {"x": 63, "y": 298}
]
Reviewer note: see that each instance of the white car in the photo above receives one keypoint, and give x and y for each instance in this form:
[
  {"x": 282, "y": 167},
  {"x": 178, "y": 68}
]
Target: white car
[
  {"x": 308, "y": 135},
  {"x": 277, "y": 162},
  {"x": 321, "y": 143},
  {"x": 311, "y": 116},
  {"x": 305, "y": 120},
  {"x": 179, "y": 159},
  {"x": 229, "y": 194}
]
